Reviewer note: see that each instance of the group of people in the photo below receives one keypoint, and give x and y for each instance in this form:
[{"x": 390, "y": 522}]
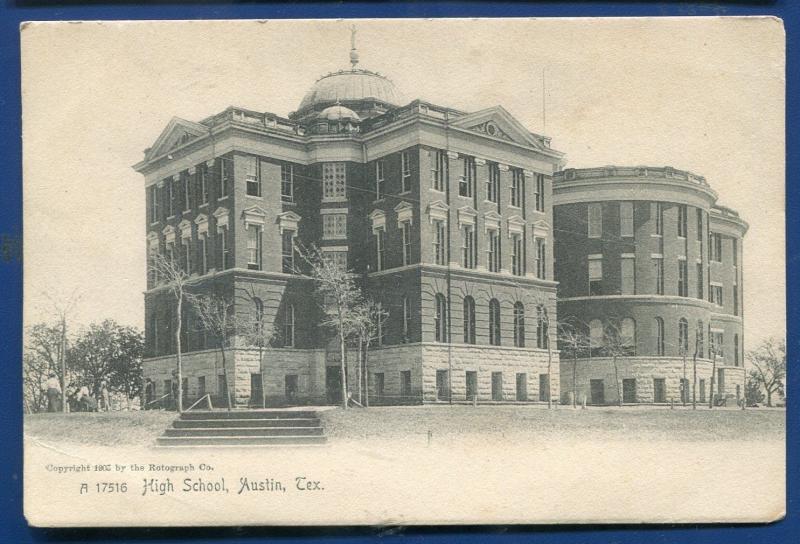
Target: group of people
[{"x": 78, "y": 396}]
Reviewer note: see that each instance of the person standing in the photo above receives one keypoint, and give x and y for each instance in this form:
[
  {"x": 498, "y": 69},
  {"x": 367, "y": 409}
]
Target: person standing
[
  {"x": 149, "y": 394},
  {"x": 104, "y": 397},
  {"x": 53, "y": 388}
]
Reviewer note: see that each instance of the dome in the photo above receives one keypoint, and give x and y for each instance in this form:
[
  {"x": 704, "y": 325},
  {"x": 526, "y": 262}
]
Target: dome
[
  {"x": 350, "y": 86},
  {"x": 338, "y": 113}
]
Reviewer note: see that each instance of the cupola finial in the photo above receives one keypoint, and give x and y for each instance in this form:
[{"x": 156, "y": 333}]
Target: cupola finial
[{"x": 353, "y": 52}]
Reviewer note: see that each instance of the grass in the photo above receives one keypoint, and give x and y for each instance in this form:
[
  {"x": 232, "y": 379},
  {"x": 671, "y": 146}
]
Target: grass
[{"x": 101, "y": 428}]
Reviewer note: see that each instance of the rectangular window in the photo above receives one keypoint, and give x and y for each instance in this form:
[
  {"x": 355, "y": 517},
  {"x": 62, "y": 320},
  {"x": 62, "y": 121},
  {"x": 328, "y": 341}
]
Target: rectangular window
[
  {"x": 626, "y": 219},
  {"x": 170, "y": 251},
  {"x": 405, "y": 228},
  {"x": 658, "y": 264},
  {"x": 380, "y": 249},
  {"x": 468, "y": 256},
  {"x": 466, "y": 184},
  {"x": 288, "y": 326},
  {"x": 379, "y": 179},
  {"x": 224, "y": 177},
  {"x": 186, "y": 254},
  {"x": 253, "y": 176},
  {"x": 334, "y": 226},
  {"x": 287, "y": 183},
  {"x": 154, "y": 203},
  {"x": 717, "y": 343},
  {"x": 493, "y": 250},
  {"x": 203, "y": 241},
  {"x": 379, "y": 382},
  {"x": 627, "y": 276},
  {"x": 406, "y": 320},
  {"x": 472, "y": 385},
  {"x": 493, "y": 182},
  {"x": 287, "y": 251},
  {"x": 201, "y": 386},
  {"x": 222, "y": 387},
  {"x": 716, "y": 294},
  {"x": 700, "y": 281},
  {"x": 517, "y": 180},
  {"x": 170, "y": 197},
  {"x": 702, "y": 388},
  {"x": 541, "y": 258},
  {"x": 405, "y": 384},
  {"x": 544, "y": 387},
  {"x": 405, "y": 168},
  {"x": 699, "y": 212},
  {"x": 735, "y": 300},
  {"x": 202, "y": 172},
  {"x": 657, "y": 216},
  {"x": 254, "y": 247},
  {"x": 334, "y": 181},
  {"x": 539, "y": 192},
  {"x": 522, "y": 386},
  {"x": 497, "y": 386},
  {"x": 682, "y": 227},
  {"x": 439, "y": 170},
  {"x": 715, "y": 246},
  {"x": 223, "y": 247},
  {"x": 517, "y": 255},
  {"x": 595, "y": 275},
  {"x": 337, "y": 258},
  {"x": 683, "y": 278},
  {"x": 659, "y": 390},
  {"x": 186, "y": 196},
  {"x": 439, "y": 243},
  {"x": 442, "y": 385},
  {"x": 595, "y": 220}
]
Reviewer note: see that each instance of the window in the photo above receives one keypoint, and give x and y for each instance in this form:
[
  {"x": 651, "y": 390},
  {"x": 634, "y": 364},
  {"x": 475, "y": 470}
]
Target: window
[
  {"x": 657, "y": 216},
  {"x": 628, "y": 335},
  {"x": 258, "y": 316},
  {"x": 380, "y": 249},
  {"x": 493, "y": 182},
  {"x": 658, "y": 264},
  {"x": 203, "y": 241},
  {"x": 253, "y": 176},
  {"x": 683, "y": 336},
  {"x": 735, "y": 300},
  {"x": 253, "y": 247},
  {"x": 682, "y": 228},
  {"x": 379, "y": 179},
  {"x": 497, "y": 386},
  {"x": 405, "y": 383},
  {"x": 334, "y": 226},
  {"x": 439, "y": 170},
  {"x": 700, "y": 281},
  {"x": 439, "y": 241},
  {"x": 469, "y": 320},
  {"x": 702, "y": 388},
  {"x": 337, "y": 258},
  {"x": 288, "y": 326},
  {"x": 201, "y": 386},
  {"x": 170, "y": 197},
  {"x": 333, "y": 181},
  {"x": 186, "y": 197},
  {"x": 440, "y": 318},
  {"x": 659, "y": 326},
  {"x": 519, "y": 325},
  {"x": 287, "y": 183},
  {"x": 494, "y": 322},
  {"x": 659, "y": 390},
  {"x": 468, "y": 246},
  {"x": 683, "y": 278},
  {"x": 466, "y": 184},
  {"x": 735, "y": 253},
  {"x": 544, "y": 387},
  {"x": 595, "y": 275},
  {"x": 493, "y": 250},
  {"x": 170, "y": 251},
  {"x": 539, "y": 200},
  {"x": 595, "y": 336},
  {"x": 224, "y": 177},
  {"x": 542, "y": 332},
  {"x": 287, "y": 251},
  {"x": 716, "y": 294},
  {"x": 627, "y": 275},
  {"x": 517, "y": 255},
  {"x": 405, "y": 168},
  {"x": 222, "y": 236},
  {"x": 202, "y": 172},
  {"x": 595, "y": 220},
  {"x": 699, "y": 233},
  {"x": 736, "y": 350},
  {"x": 716, "y": 343},
  {"x": 222, "y": 386},
  {"x": 442, "y": 385},
  {"x": 471, "y": 377},
  {"x": 522, "y": 386},
  {"x": 629, "y": 390},
  {"x": 154, "y": 204},
  {"x": 626, "y": 219},
  {"x": 186, "y": 253},
  {"x": 406, "y": 320},
  {"x": 405, "y": 229},
  {"x": 517, "y": 187},
  {"x": 699, "y": 341},
  {"x": 541, "y": 258},
  {"x": 715, "y": 246}
]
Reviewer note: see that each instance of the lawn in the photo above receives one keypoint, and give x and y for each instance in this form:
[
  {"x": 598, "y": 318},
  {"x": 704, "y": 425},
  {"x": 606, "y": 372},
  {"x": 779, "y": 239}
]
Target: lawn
[{"x": 101, "y": 428}]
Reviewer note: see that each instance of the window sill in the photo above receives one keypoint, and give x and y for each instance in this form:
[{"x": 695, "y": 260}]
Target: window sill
[
  {"x": 288, "y": 202},
  {"x": 222, "y": 198},
  {"x": 184, "y": 212},
  {"x": 656, "y": 235},
  {"x": 379, "y": 201},
  {"x": 171, "y": 217},
  {"x": 515, "y": 207},
  {"x": 435, "y": 190},
  {"x": 253, "y": 196},
  {"x": 204, "y": 205},
  {"x": 487, "y": 201},
  {"x": 334, "y": 199},
  {"x": 154, "y": 223},
  {"x": 403, "y": 193}
]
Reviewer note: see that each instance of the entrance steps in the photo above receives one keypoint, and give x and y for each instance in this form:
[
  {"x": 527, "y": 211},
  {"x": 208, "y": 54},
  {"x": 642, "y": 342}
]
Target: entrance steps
[{"x": 261, "y": 428}]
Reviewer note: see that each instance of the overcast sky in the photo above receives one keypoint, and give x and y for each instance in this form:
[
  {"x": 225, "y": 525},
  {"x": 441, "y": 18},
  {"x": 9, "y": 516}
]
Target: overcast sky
[{"x": 706, "y": 95}]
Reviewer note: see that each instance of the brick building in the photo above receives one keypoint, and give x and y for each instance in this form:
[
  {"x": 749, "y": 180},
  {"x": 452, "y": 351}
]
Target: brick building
[
  {"x": 647, "y": 261},
  {"x": 446, "y": 215}
]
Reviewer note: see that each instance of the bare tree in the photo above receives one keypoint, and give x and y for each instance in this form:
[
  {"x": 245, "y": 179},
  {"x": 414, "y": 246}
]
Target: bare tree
[
  {"x": 259, "y": 334},
  {"x": 369, "y": 319},
  {"x": 713, "y": 349},
  {"x": 35, "y": 371},
  {"x": 176, "y": 279},
  {"x": 769, "y": 360},
  {"x": 617, "y": 343},
  {"x": 573, "y": 342},
  {"x": 62, "y": 307},
  {"x": 338, "y": 296}
]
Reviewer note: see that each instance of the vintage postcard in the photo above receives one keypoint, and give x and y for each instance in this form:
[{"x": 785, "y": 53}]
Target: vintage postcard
[{"x": 492, "y": 271}]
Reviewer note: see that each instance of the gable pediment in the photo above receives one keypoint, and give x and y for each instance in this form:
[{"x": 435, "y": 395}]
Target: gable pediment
[
  {"x": 496, "y": 122},
  {"x": 177, "y": 132}
]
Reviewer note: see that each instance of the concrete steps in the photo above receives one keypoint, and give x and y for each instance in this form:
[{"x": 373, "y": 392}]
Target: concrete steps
[{"x": 246, "y": 428}]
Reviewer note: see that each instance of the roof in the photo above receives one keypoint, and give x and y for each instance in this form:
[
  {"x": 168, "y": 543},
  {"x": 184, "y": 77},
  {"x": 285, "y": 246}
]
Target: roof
[{"x": 351, "y": 85}]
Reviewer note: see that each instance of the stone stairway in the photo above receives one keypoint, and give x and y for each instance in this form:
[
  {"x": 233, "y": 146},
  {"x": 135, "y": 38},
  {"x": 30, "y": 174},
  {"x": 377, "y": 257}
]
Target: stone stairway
[{"x": 244, "y": 428}]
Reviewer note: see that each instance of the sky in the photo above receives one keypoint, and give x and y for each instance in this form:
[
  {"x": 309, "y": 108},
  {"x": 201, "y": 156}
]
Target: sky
[{"x": 706, "y": 95}]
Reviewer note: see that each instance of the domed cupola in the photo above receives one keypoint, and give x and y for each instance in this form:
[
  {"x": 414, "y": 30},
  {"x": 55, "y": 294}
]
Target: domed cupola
[
  {"x": 362, "y": 91},
  {"x": 335, "y": 119}
]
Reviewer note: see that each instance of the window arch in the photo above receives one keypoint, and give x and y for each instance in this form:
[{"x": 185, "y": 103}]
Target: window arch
[
  {"x": 440, "y": 318},
  {"x": 683, "y": 336},
  {"x": 519, "y": 325},
  {"x": 542, "y": 333},
  {"x": 595, "y": 335},
  {"x": 659, "y": 324},
  {"x": 469, "y": 320},
  {"x": 627, "y": 331},
  {"x": 494, "y": 322}
]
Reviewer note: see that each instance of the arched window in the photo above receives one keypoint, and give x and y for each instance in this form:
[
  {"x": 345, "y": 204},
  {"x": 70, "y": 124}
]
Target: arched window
[
  {"x": 440, "y": 318},
  {"x": 258, "y": 319},
  {"x": 627, "y": 332},
  {"x": 494, "y": 322},
  {"x": 659, "y": 324},
  {"x": 469, "y": 320},
  {"x": 595, "y": 336},
  {"x": 683, "y": 336},
  {"x": 736, "y": 350},
  {"x": 542, "y": 333},
  {"x": 519, "y": 325},
  {"x": 700, "y": 344}
]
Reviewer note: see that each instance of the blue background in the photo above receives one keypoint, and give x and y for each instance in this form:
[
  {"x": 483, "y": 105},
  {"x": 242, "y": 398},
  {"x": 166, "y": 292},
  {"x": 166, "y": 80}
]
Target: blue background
[{"x": 12, "y": 524}]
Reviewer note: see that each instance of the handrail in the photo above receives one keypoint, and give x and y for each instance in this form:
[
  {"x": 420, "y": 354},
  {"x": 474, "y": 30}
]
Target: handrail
[
  {"x": 206, "y": 396},
  {"x": 158, "y": 399}
]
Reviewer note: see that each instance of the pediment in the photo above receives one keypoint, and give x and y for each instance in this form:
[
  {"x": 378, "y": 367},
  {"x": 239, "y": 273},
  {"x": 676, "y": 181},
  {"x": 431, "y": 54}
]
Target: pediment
[
  {"x": 177, "y": 132},
  {"x": 496, "y": 122}
]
